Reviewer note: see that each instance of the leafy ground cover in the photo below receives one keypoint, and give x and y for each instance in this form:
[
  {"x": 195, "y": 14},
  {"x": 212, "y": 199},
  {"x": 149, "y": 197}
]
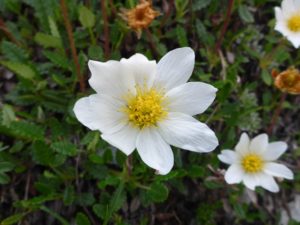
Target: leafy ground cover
[{"x": 53, "y": 170}]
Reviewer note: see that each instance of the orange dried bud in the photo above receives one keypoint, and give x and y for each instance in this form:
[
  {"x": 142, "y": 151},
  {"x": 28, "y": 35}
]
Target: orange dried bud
[
  {"x": 274, "y": 73},
  {"x": 288, "y": 81},
  {"x": 140, "y": 17}
]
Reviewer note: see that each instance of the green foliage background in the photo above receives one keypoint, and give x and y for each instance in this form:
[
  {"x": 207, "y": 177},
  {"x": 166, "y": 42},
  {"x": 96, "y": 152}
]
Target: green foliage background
[{"x": 53, "y": 170}]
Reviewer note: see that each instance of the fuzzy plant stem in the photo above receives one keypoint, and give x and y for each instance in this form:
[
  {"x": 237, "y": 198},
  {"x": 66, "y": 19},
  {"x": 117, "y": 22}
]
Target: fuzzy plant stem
[
  {"x": 225, "y": 25},
  {"x": 68, "y": 26},
  {"x": 276, "y": 113},
  {"x": 106, "y": 30}
]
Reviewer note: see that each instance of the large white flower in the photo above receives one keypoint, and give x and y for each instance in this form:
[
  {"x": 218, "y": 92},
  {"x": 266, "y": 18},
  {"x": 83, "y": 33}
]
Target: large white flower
[
  {"x": 252, "y": 162},
  {"x": 288, "y": 20},
  {"x": 148, "y": 106}
]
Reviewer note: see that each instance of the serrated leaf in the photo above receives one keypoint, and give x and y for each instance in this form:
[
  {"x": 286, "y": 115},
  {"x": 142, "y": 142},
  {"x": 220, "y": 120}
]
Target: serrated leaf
[
  {"x": 13, "y": 219},
  {"x": 48, "y": 41},
  {"x": 42, "y": 153},
  {"x": 245, "y": 14},
  {"x": 20, "y": 69},
  {"x": 13, "y": 52},
  {"x": 64, "y": 148},
  {"x": 27, "y": 130},
  {"x": 86, "y": 17},
  {"x": 158, "y": 192},
  {"x": 181, "y": 36},
  {"x": 53, "y": 27},
  {"x": 57, "y": 59},
  {"x": 82, "y": 219}
]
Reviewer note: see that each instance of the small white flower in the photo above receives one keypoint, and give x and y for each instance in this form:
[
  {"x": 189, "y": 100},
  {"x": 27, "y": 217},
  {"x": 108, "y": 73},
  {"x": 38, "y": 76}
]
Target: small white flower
[
  {"x": 148, "y": 106},
  {"x": 288, "y": 20},
  {"x": 252, "y": 162}
]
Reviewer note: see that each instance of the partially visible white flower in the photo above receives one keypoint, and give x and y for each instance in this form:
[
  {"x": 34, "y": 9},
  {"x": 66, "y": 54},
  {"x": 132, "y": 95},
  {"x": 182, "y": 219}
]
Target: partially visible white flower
[
  {"x": 294, "y": 209},
  {"x": 288, "y": 20},
  {"x": 148, "y": 106},
  {"x": 252, "y": 162}
]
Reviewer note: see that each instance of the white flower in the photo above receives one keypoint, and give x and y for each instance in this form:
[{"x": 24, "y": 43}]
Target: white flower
[
  {"x": 148, "y": 106},
  {"x": 252, "y": 162},
  {"x": 288, "y": 20}
]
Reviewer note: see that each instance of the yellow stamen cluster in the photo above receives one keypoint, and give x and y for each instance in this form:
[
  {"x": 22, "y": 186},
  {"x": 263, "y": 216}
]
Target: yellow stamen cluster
[
  {"x": 252, "y": 163},
  {"x": 146, "y": 108},
  {"x": 293, "y": 23}
]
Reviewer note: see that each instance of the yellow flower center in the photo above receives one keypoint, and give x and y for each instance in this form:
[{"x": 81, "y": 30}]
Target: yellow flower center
[
  {"x": 146, "y": 108},
  {"x": 252, "y": 163},
  {"x": 293, "y": 23}
]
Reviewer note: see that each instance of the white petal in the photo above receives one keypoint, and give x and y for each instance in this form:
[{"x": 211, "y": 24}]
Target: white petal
[
  {"x": 288, "y": 7},
  {"x": 281, "y": 26},
  {"x": 294, "y": 39},
  {"x": 154, "y": 151},
  {"x": 278, "y": 170},
  {"x": 124, "y": 139},
  {"x": 111, "y": 78},
  {"x": 228, "y": 156},
  {"x": 142, "y": 69},
  {"x": 259, "y": 144},
  {"x": 278, "y": 14},
  {"x": 274, "y": 150},
  {"x": 175, "y": 68},
  {"x": 250, "y": 181},
  {"x": 268, "y": 182},
  {"x": 191, "y": 98},
  {"x": 100, "y": 112},
  {"x": 242, "y": 146},
  {"x": 183, "y": 131},
  {"x": 234, "y": 174},
  {"x": 297, "y": 4}
]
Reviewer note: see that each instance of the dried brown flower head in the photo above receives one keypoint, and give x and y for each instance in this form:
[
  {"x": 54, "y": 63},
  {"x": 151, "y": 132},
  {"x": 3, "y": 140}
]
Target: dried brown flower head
[
  {"x": 139, "y": 17},
  {"x": 288, "y": 80}
]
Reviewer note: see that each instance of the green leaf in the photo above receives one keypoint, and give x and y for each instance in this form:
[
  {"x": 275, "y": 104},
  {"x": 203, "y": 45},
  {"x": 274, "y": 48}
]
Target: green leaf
[
  {"x": 86, "y": 17},
  {"x": 13, "y": 219},
  {"x": 69, "y": 195},
  {"x": 200, "y": 4},
  {"x": 118, "y": 199},
  {"x": 20, "y": 69},
  {"x": 181, "y": 35},
  {"x": 158, "y": 192},
  {"x": 53, "y": 27},
  {"x": 27, "y": 130},
  {"x": 267, "y": 78},
  {"x": 8, "y": 115},
  {"x": 64, "y": 148},
  {"x": 41, "y": 153},
  {"x": 6, "y": 167},
  {"x": 48, "y": 41},
  {"x": 13, "y": 52},
  {"x": 58, "y": 59},
  {"x": 245, "y": 14},
  {"x": 82, "y": 219},
  {"x": 4, "y": 179}
]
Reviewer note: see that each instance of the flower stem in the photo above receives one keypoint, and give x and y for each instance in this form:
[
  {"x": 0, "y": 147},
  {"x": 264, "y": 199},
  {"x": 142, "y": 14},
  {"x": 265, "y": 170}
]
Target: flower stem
[
  {"x": 106, "y": 30},
  {"x": 277, "y": 113},
  {"x": 225, "y": 25},
  {"x": 68, "y": 26}
]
